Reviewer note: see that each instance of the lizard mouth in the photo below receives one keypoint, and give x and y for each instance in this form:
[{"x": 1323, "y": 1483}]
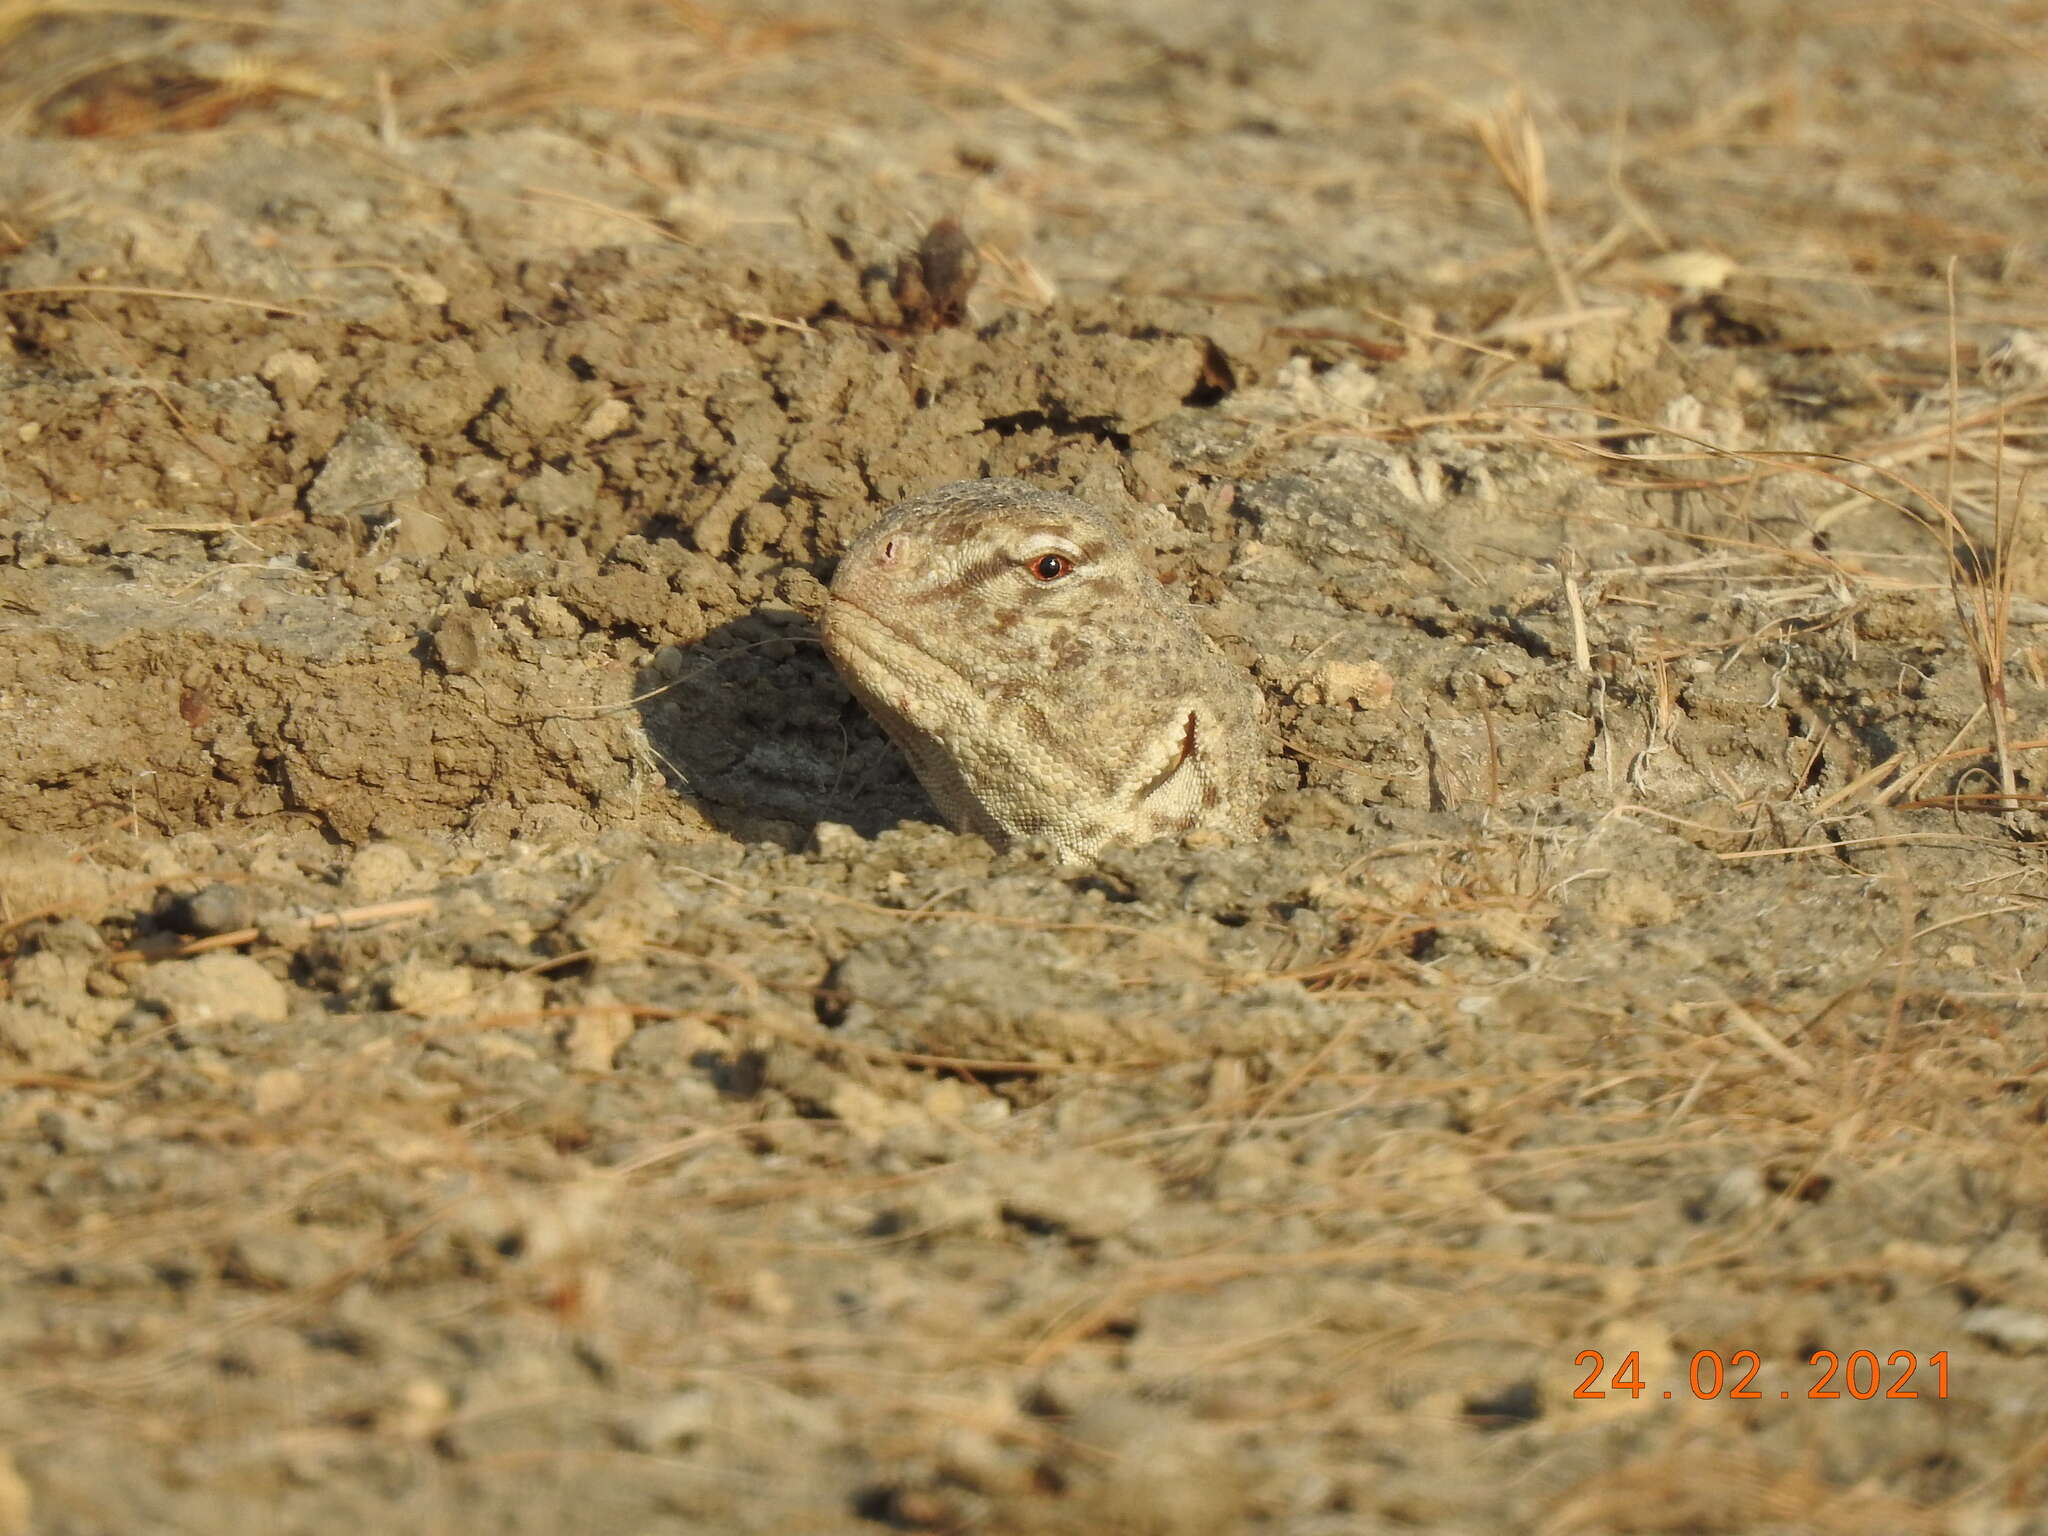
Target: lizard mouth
[{"x": 864, "y": 636}]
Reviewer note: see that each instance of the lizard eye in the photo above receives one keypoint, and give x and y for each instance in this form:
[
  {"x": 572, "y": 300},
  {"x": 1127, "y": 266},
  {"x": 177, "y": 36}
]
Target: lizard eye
[{"x": 1051, "y": 566}]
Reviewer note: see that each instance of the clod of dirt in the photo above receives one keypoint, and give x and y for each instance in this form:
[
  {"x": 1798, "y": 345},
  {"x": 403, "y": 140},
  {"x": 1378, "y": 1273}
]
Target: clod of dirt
[
  {"x": 367, "y": 473},
  {"x": 933, "y": 282},
  {"x": 213, "y": 988},
  {"x": 1084, "y": 1195}
]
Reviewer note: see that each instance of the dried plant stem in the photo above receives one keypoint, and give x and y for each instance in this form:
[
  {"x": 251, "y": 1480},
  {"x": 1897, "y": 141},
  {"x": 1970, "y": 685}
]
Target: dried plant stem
[
  {"x": 1985, "y": 619},
  {"x": 266, "y": 306},
  {"x": 379, "y": 912},
  {"x": 1575, "y": 604},
  {"x": 1511, "y": 142}
]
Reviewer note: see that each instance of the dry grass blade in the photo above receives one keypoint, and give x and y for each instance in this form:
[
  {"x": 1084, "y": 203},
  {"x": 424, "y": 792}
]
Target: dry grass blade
[
  {"x": 1986, "y": 618},
  {"x": 350, "y": 917},
  {"x": 264, "y": 306},
  {"x": 1512, "y": 143},
  {"x": 1981, "y": 570}
]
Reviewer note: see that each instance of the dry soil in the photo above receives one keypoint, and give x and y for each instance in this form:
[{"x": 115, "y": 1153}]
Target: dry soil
[{"x": 490, "y": 1039}]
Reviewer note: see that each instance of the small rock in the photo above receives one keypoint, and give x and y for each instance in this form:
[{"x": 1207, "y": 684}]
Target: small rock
[
  {"x": 836, "y": 840},
  {"x": 217, "y": 908},
  {"x": 539, "y": 398},
  {"x": 870, "y": 1116},
  {"x": 419, "y": 1410},
  {"x": 277, "y": 1090},
  {"x": 37, "y": 874},
  {"x": 768, "y": 1294},
  {"x": 547, "y": 616},
  {"x": 1740, "y": 1189},
  {"x": 368, "y": 470},
  {"x": 423, "y": 289},
  {"x": 462, "y": 639},
  {"x": 2016, "y": 1330},
  {"x": 286, "y": 931},
  {"x": 1625, "y": 900},
  {"x": 52, "y": 976},
  {"x": 291, "y": 373},
  {"x": 71, "y": 1133},
  {"x": 628, "y": 903},
  {"x": 1084, "y": 1194},
  {"x": 954, "y": 1200},
  {"x": 418, "y": 531},
  {"x": 607, "y": 418},
  {"x": 598, "y": 1031},
  {"x": 1695, "y": 271},
  {"x": 78, "y": 942},
  {"x": 427, "y": 990},
  {"x": 1161, "y": 1473},
  {"x": 1607, "y": 352},
  {"x": 558, "y": 496},
  {"x": 43, "y": 1040},
  {"x": 539, "y": 1226},
  {"x": 672, "y": 1422},
  {"x": 211, "y": 987},
  {"x": 1360, "y": 683},
  {"x": 379, "y": 870},
  {"x": 501, "y": 1047},
  {"x": 672, "y": 1047},
  {"x": 802, "y": 591},
  {"x": 17, "y": 1504},
  {"x": 290, "y": 1259}
]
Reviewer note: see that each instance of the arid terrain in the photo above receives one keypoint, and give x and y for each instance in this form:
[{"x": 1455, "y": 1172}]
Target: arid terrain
[{"x": 492, "y": 1038}]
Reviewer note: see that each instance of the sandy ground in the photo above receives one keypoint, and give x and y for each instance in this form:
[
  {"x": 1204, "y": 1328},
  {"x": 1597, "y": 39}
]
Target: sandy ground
[{"x": 491, "y": 1040}]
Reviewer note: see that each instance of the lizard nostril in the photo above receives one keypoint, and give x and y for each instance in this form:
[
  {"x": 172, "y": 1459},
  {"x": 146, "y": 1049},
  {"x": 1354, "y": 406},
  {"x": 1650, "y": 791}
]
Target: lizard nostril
[{"x": 889, "y": 553}]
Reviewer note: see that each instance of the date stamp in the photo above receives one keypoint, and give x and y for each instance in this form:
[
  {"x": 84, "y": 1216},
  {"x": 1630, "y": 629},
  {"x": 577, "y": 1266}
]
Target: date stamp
[{"x": 1858, "y": 1375}]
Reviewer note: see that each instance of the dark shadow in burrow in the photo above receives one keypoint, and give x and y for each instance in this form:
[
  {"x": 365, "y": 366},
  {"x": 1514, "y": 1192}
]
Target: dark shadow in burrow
[{"x": 760, "y": 734}]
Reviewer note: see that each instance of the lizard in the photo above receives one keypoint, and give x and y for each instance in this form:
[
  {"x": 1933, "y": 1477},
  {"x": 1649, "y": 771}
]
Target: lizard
[{"x": 1040, "y": 679}]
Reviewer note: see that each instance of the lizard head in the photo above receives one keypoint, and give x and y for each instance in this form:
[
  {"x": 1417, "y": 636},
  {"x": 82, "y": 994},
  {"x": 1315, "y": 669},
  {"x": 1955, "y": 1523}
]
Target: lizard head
[
  {"x": 994, "y": 579},
  {"x": 1023, "y": 656}
]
